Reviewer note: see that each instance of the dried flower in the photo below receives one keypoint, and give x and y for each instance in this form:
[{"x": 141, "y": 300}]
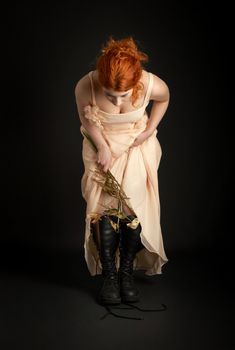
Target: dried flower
[
  {"x": 134, "y": 223},
  {"x": 111, "y": 186},
  {"x": 94, "y": 217}
]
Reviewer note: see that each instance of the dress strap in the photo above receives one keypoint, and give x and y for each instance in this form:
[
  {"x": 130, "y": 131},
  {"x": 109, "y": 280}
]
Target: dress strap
[
  {"x": 92, "y": 89},
  {"x": 149, "y": 89}
]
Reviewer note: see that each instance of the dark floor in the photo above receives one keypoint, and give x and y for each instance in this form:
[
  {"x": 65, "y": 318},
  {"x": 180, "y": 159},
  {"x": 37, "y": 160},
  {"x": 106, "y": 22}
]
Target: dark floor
[{"x": 48, "y": 301}]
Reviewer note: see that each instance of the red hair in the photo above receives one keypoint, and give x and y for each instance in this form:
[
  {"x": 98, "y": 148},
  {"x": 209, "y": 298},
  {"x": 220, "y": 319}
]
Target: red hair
[{"x": 119, "y": 66}]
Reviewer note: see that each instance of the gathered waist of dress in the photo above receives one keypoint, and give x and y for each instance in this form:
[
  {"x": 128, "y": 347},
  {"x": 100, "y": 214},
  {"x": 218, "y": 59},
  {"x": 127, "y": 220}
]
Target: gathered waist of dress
[
  {"x": 116, "y": 119},
  {"x": 131, "y": 120},
  {"x": 126, "y": 126}
]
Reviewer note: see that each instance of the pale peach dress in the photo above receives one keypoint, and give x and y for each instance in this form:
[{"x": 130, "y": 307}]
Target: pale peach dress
[{"x": 136, "y": 170}]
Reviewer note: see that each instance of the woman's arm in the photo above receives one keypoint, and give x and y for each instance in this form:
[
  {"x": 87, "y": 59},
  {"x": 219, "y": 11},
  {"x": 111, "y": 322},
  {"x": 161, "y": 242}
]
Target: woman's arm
[
  {"x": 104, "y": 155},
  {"x": 161, "y": 96},
  {"x": 81, "y": 96}
]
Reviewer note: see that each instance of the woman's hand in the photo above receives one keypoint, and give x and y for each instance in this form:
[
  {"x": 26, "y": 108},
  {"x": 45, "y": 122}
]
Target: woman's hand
[
  {"x": 140, "y": 138},
  {"x": 104, "y": 157}
]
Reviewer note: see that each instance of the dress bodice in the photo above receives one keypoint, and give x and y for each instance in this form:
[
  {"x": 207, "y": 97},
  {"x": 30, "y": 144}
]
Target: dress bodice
[{"x": 103, "y": 117}]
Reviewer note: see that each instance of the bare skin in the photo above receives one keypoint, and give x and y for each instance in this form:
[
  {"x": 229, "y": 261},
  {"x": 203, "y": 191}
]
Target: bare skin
[{"x": 117, "y": 102}]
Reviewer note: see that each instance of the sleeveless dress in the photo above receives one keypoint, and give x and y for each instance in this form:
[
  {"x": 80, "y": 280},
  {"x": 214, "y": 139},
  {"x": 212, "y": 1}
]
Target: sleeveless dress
[{"x": 136, "y": 169}]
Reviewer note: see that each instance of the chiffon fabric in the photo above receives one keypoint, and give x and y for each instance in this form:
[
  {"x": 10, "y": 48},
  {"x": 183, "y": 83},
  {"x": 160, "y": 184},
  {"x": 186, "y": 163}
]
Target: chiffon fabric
[{"x": 136, "y": 169}]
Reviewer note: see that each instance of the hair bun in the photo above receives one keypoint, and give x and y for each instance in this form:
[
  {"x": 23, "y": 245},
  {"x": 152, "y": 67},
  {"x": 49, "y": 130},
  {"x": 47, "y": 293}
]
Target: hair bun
[{"x": 123, "y": 48}]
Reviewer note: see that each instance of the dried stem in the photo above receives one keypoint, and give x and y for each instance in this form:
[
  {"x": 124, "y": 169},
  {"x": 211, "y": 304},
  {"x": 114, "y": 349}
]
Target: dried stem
[{"x": 111, "y": 186}]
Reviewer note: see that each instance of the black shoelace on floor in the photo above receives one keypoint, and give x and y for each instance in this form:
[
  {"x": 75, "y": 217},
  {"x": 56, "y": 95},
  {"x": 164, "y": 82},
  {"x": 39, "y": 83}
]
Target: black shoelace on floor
[{"x": 131, "y": 306}]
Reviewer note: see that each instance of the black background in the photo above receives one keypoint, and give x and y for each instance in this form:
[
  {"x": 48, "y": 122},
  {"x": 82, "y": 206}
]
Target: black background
[{"x": 46, "y": 50}]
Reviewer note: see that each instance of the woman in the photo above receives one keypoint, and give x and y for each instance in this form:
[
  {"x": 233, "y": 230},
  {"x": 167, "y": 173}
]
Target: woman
[{"x": 120, "y": 141}]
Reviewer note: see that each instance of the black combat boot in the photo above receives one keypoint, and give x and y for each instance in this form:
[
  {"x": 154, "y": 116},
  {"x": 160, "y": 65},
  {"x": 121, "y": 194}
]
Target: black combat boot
[
  {"x": 130, "y": 244},
  {"x": 107, "y": 241}
]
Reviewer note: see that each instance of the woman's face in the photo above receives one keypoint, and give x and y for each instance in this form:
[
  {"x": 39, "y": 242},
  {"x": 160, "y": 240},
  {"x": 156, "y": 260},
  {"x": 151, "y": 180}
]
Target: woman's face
[{"x": 117, "y": 97}]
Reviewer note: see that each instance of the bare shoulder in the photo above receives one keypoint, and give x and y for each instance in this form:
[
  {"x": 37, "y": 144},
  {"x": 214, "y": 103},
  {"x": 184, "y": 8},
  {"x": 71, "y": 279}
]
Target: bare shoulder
[
  {"x": 81, "y": 84},
  {"x": 82, "y": 89},
  {"x": 145, "y": 78},
  {"x": 160, "y": 90},
  {"x": 82, "y": 93}
]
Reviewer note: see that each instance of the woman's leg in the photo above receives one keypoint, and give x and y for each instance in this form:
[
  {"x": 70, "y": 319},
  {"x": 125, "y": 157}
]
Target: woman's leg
[{"x": 127, "y": 210}]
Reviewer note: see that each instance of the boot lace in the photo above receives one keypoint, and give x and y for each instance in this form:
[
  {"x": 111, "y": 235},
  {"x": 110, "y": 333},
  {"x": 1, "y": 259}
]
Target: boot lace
[{"x": 131, "y": 306}]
